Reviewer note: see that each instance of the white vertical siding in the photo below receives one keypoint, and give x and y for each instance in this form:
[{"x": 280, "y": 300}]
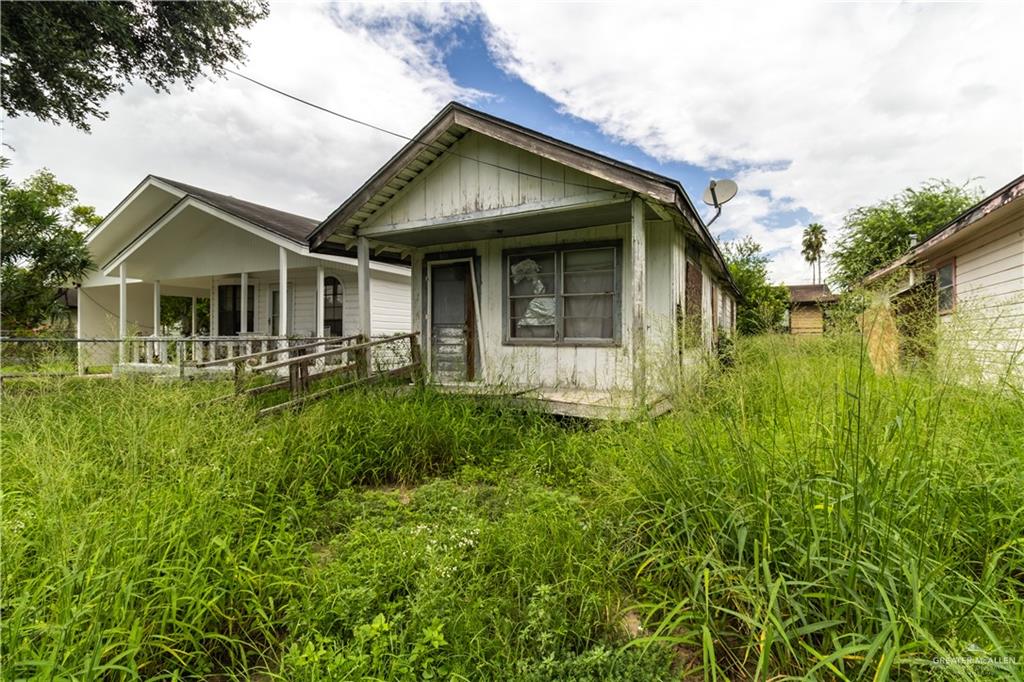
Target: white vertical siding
[
  {"x": 984, "y": 336},
  {"x": 484, "y": 175}
]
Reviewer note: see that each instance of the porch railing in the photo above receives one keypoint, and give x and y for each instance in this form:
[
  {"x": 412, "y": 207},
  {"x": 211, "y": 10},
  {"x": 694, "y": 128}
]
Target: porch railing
[{"x": 53, "y": 356}]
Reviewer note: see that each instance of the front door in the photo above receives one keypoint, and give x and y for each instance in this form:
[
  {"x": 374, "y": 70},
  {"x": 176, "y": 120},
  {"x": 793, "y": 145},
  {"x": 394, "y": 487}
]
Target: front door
[
  {"x": 452, "y": 322},
  {"x": 229, "y": 309}
]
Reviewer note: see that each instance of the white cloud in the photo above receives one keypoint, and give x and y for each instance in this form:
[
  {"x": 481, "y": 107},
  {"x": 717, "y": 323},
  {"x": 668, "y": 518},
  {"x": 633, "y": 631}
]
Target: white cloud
[
  {"x": 234, "y": 137},
  {"x": 830, "y": 106}
]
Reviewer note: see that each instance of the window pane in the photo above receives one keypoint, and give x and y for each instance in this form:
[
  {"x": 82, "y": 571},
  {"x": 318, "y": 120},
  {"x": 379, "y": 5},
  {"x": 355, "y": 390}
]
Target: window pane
[
  {"x": 589, "y": 259},
  {"x": 946, "y": 299},
  {"x": 946, "y": 275},
  {"x": 533, "y": 318},
  {"x": 532, "y": 274},
  {"x": 588, "y": 317},
  {"x": 589, "y": 282}
]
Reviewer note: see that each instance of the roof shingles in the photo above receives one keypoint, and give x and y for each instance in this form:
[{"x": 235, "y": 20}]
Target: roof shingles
[{"x": 288, "y": 225}]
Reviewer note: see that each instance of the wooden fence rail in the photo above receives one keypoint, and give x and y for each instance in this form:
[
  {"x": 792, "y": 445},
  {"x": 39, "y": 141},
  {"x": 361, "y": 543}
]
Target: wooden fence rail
[{"x": 359, "y": 356}]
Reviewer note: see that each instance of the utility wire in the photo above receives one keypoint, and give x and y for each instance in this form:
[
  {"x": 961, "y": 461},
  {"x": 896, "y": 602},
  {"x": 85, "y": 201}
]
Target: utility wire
[{"x": 431, "y": 146}]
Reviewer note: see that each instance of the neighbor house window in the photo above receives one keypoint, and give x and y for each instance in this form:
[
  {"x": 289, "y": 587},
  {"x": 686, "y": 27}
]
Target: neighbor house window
[
  {"x": 945, "y": 286},
  {"x": 563, "y": 294},
  {"x": 333, "y": 307}
]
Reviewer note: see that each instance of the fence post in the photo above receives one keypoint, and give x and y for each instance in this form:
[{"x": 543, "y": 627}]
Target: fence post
[
  {"x": 239, "y": 376},
  {"x": 416, "y": 356},
  {"x": 181, "y": 359},
  {"x": 363, "y": 358}
]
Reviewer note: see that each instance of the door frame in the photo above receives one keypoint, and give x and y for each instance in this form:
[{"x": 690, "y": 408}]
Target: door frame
[
  {"x": 478, "y": 346},
  {"x": 272, "y": 288}
]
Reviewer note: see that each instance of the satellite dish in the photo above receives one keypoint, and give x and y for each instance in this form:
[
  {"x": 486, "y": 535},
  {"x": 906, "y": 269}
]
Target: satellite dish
[{"x": 719, "y": 192}]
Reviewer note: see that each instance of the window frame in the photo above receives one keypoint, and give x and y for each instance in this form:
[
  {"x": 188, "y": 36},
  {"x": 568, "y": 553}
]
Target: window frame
[
  {"x": 558, "y": 251},
  {"x": 339, "y": 304},
  {"x": 951, "y": 262}
]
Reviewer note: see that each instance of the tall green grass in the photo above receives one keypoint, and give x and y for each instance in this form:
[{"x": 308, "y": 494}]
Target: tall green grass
[
  {"x": 807, "y": 517},
  {"x": 797, "y": 516}
]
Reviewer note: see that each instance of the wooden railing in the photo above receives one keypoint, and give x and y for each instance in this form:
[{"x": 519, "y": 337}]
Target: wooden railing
[
  {"x": 208, "y": 351},
  {"x": 370, "y": 361}
]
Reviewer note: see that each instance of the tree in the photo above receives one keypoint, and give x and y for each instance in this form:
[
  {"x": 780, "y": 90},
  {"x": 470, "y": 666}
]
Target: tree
[
  {"x": 762, "y": 304},
  {"x": 813, "y": 245},
  {"x": 60, "y": 60},
  {"x": 42, "y": 249},
  {"x": 875, "y": 235}
]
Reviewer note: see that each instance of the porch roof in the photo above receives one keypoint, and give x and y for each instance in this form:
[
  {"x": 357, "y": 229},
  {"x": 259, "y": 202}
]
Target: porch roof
[
  {"x": 665, "y": 197},
  {"x": 156, "y": 201},
  {"x": 282, "y": 223}
]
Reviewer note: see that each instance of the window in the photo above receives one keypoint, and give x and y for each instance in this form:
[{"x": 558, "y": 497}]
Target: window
[
  {"x": 945, "y": 286},
  {"x": 333, "y": 307},
  {"x": 563, "y": 294}
]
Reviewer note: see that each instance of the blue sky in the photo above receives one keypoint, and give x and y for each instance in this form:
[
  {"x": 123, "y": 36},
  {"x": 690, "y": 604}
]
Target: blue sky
[
  {"x": 469, "y": 61},
  {"x": 814, "y": 108}
]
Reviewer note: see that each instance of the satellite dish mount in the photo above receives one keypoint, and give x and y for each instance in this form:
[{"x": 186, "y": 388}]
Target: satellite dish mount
[{"x": 718, "y": 193}]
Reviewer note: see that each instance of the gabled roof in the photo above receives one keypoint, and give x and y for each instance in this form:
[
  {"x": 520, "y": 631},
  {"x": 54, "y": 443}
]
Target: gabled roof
[
  {"x": 287, "y": 229},
  {"x": 1005, "y": 195},
  {"x": 282, "y": 223},
  {"x": 456, "y": 120},
  {"x": 810, "y": 293}
]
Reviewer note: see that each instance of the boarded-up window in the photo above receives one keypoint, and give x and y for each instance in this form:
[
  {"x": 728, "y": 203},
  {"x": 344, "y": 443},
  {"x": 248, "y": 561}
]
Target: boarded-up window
[{"x": 694, "y": 303}]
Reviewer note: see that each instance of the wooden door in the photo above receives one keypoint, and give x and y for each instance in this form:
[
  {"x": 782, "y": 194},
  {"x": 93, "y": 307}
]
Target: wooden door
[{"x": 452, "y": 323}]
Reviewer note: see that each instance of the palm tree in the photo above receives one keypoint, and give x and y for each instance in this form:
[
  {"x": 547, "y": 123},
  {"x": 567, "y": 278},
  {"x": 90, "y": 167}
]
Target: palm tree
[{"x": 813, "y": 245}]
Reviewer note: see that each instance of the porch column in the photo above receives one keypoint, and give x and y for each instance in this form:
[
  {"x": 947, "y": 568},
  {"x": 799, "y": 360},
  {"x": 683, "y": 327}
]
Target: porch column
[
  {"x": 194, "y": 316},
  {"x": 282, "y": 291},
  {"x": 638, "y": 242},
  {"x": 122, "y": 312},
  {"x": 319, "y": 316},
  {"x": 363, "y": 281},
  {"x": 244, "y": 323},
  {"x": 156, "y": 307}
]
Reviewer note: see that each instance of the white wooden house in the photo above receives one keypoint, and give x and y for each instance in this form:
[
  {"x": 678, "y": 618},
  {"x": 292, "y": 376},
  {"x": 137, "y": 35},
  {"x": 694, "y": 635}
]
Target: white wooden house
[
  {"x": 542, "y": 268},
  {"x": 970, "y": 275},
  {"x": 167, "y": 238}
]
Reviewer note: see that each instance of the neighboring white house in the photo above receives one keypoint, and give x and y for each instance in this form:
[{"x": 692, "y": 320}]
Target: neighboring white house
[
  {"x": 542, "y": 266},
  {"x": 167, "y": 238},
  {"x": 971, "y": 274}
]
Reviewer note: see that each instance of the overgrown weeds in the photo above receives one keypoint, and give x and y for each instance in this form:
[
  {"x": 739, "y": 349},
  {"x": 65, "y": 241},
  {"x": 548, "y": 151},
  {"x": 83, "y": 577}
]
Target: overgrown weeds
[{"x": 801, "y": 517}]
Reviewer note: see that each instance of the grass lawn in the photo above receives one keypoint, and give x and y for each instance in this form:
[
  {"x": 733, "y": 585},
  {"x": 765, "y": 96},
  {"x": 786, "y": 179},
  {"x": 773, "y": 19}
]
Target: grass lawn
[{"x": 799, "y": 516}]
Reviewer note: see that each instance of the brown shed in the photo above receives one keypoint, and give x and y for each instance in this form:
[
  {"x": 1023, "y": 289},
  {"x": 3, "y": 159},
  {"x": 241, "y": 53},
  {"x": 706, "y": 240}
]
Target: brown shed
[{"x": 806, "y": 308}]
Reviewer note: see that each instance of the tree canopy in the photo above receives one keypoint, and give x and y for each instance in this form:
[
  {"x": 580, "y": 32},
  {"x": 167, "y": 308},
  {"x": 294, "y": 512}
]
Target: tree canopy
[
  {"x": 813, "y": 246},
  {"x": 59, "y": 60},
  {"x": 42, "y": 249},
  {"x": 763, "y": 304},
  {"x": 872, "y": 236}
]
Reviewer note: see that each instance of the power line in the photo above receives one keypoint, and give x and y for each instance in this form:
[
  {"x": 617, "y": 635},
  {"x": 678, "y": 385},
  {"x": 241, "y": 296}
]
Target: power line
[{"x": 432, "y": 146}]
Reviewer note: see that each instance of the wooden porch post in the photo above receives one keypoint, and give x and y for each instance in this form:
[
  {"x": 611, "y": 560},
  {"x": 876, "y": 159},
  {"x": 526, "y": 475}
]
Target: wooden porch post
[
  {"x": 244, "y": 323},
  {"x": 363, "y": 281},
  {"x": 195, "y": 317},
  {"x": 319, "y": 324},
  {"x": 638, "y": 243},
  {"x": 282, "y": 291},
  {"x": 122, "y": 312}
]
